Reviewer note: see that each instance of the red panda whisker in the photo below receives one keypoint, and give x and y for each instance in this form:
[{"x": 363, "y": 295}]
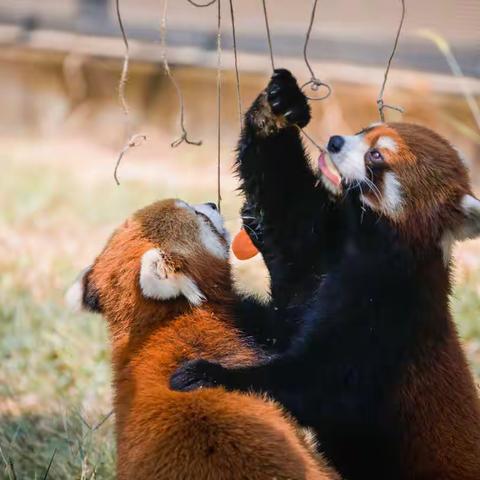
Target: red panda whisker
[
  {"x": 250, "y": 229},
  {"x": 362, "y": 206},
  {"x": 374, "y": 189}
]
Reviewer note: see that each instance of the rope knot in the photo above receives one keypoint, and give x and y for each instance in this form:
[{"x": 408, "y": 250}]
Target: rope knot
[
  {"x": 184, "y": 138},
  {"x": 315, "y": 85},
  {"x": 382, "y": 105}
]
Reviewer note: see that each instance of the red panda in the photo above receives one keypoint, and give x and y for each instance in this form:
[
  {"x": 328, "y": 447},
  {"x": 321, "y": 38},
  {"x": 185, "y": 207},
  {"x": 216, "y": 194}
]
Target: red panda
[
  {"x": 411, "y": 175},
  {"x": 360, "y": 281},
  {"x": 163, "y": 284},
  {"x": 418, "y": 181}
]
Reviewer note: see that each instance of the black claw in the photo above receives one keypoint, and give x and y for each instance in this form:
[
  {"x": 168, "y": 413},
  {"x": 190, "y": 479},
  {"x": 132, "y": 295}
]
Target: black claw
[
  {"x": 278, "y": 108},
  {"x": 274, "y": 91}
]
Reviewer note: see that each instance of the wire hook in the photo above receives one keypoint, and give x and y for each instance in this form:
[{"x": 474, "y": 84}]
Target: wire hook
[
  {"x": 315, "y": 83},
  {"x": 380, "y": 103}
]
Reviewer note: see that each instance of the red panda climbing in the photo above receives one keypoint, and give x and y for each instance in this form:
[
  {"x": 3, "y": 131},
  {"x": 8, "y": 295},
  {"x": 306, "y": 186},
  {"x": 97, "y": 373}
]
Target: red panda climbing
[
  {"x": 360, "y": 281},
  {"x": 163, "y": 284}
]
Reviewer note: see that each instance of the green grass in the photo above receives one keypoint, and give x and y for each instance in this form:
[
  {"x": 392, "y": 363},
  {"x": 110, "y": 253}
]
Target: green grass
[
  {"x": 54, "y": 388},
  {"x": 55, "y": 394},
  {"x": 55, "y": 373},
  {"x": 466, "y": 311}
]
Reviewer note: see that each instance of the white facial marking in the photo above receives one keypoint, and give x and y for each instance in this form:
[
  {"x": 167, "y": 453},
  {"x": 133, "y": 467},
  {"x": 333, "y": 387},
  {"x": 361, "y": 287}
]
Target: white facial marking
[
  {"x": 387, "y": 142},
  {"x": 211, "y": 241},
  {"x": 208, "y": 237},
  {"x": 392, "y": 194},
  {"x": 74, "y": 295},
  {"x": 213, "y": 215},
  {"x": 350, "y": 160},
  {"x": 158, "y": 282}
]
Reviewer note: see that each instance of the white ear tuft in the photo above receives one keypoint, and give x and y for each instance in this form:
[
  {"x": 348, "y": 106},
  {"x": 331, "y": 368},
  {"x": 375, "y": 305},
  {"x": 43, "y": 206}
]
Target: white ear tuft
[
  {"x": 154, "y": 280},
  {"x": 471, "y": 225},
  {"x": 190, "y": 290},
  {"x": 74, "y": 295},
  {"x": 463, "y": 158},
  {"x": 159, "y": 282}
]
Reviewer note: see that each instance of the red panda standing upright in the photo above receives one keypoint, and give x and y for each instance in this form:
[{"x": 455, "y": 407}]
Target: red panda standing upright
[
  {"x": 163, "y": 283},
  {"x": 360, "y": 280}
]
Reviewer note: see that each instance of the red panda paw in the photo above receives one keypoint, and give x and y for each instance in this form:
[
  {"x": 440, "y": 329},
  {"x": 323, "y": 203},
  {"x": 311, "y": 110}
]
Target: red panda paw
[{"x": 287, "y": 100}]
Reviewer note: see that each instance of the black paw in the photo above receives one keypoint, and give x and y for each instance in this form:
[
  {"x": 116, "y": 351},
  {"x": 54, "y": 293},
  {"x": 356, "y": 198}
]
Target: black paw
[
  {"x": 193, "y": 375},
  {"x": 287, "y": 99}
]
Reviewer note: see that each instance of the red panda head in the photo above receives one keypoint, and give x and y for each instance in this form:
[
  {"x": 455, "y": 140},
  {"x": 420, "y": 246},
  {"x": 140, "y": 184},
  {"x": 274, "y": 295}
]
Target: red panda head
[
  {"x": 167, "y": 256},
  {"x": 409, "y": 174}
]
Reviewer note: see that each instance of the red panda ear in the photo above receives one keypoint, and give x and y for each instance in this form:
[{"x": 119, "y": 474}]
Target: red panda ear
[
  {"x": 470, "y": 228},
  {"x": 160, "y": 281},
  {"x": 83, "y": 294}
]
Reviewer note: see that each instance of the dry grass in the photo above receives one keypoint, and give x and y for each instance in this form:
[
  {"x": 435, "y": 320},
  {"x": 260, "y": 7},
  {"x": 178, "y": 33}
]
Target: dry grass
[{"x": 59, "y": 203}]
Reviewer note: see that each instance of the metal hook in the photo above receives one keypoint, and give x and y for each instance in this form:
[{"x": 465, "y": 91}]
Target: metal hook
[{"x": 315, "y": 85}]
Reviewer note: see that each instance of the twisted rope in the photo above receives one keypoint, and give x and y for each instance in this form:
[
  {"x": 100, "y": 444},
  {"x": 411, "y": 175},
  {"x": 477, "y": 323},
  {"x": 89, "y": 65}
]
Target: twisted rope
[{"x": 380, "y": 102}]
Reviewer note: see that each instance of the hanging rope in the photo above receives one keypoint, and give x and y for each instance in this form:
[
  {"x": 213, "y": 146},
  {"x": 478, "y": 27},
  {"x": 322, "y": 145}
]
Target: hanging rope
[
  {"x": 315, "y": 83},
  {"x": 219, "y": 102},
  {"x": 163, "y": 38},
  {"x": 267, "y": 26},
  {"x": 134, "y": 140},
  {"x": 201, "y": 5},
  {"x": 219, "y": 90},
  {"x": 235, "y": 56},
  {"x": 269, "y": 38},
  {"x": 126, "y": 62},
  {"x": 380, "y": 103},
  {"x": 320, "y": 147}
]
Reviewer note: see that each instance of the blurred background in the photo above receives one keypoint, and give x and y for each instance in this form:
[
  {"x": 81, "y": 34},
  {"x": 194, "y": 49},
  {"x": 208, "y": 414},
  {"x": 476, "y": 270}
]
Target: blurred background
[{"x": 62, "y": 128}]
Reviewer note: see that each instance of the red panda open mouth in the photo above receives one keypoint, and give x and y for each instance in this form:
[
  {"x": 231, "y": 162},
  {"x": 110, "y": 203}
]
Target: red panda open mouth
[{"x": 330, "y": 172}]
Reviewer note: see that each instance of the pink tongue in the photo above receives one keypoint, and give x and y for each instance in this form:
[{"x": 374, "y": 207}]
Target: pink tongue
[{"x": 329, "y": 170}]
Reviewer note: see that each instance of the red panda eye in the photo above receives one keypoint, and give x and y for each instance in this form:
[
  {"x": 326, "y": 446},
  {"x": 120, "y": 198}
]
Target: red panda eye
[{"x": 374, "y": 157}]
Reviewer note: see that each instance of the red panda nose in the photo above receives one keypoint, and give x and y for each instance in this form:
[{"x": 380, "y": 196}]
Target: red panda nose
[
  {"x": 335, "y": 144},
  {"x": 212, "y": 205}
]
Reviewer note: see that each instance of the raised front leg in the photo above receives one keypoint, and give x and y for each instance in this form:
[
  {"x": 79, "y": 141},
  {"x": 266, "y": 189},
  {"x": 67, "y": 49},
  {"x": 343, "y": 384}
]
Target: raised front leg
[
  {"x": 272, "y": 164},
  {"x": 284, "y": 207}
]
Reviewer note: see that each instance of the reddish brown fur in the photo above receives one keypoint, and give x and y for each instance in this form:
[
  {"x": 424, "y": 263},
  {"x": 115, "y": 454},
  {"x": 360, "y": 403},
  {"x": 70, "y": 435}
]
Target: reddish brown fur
[
  {"x": 438, "y": 400},
  {"x": 441, "y": 413},
  {"x": 432, "y": 176},
  {"x": 206, "y": 434}
]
